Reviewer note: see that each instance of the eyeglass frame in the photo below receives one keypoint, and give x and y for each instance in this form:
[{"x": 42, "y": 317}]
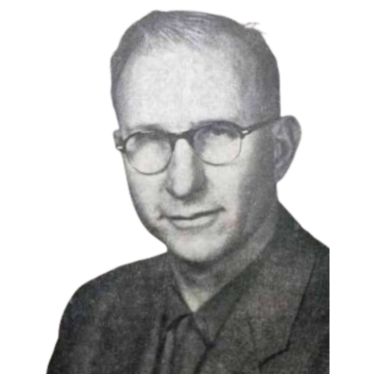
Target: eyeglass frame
[{"x": 188, "y": 135}]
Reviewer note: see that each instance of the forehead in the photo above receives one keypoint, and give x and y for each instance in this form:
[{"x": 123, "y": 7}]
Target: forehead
[{"x": 178, "y": 86}]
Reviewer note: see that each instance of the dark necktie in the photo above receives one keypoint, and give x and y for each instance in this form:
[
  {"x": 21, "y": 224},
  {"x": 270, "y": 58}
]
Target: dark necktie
[{"x": 184, "y": 348}]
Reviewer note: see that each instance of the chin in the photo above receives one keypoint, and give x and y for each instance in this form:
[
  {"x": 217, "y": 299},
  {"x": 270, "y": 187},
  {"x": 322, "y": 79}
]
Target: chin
[{"x": 198, "y": 252}]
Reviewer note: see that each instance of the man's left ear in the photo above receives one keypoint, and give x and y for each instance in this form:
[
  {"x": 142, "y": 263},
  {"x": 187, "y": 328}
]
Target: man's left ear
[{"x": 286, "y": 138}]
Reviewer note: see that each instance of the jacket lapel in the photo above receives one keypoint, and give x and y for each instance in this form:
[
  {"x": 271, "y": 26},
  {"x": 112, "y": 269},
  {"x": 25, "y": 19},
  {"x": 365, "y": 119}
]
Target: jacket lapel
[
  {"x": 130, "y": 334},
  {"x": 148, "y": 360},
  {"x": 262, "y": 320},
  {"x": 274, "y": 300},
  {"x": 149, "y": 357},
  {"x": 234, "y": 347}
]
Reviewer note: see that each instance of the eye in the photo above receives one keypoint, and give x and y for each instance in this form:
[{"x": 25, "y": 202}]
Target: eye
[
  {"x": 145, "y": 140},
  {"x": 220, "y": 129},
  {"x": 218, "y": 143},
  {"x": 216, "y": 133},
  {"x": 149, "y": 151}
]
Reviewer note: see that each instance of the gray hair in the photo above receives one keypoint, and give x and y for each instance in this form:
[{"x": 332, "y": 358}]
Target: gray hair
[{"x": 195, "y": 28}]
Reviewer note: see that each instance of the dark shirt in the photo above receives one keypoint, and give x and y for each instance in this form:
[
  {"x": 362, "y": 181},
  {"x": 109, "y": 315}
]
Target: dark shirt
[{"x": 187, "y": 336}]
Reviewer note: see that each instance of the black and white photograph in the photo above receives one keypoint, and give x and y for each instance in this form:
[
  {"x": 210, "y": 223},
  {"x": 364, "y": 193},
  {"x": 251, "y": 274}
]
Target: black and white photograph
[{"x": 181, "y": 184}]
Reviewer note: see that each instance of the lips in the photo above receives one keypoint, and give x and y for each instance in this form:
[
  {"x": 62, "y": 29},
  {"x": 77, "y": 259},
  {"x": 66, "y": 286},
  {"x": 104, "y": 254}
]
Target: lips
[{"x": 201, "y": 219}]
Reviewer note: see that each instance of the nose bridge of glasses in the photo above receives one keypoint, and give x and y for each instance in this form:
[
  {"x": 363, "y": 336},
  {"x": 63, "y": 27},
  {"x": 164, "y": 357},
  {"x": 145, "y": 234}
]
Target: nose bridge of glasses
[{"x": 186, "y": 135}]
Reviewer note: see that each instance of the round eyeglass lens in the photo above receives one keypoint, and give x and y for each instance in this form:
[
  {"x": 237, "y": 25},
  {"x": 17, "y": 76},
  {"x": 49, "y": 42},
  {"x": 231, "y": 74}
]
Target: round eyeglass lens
[
  {"x": 218, "y": 144},
  {"x": 148, "y": 152}
]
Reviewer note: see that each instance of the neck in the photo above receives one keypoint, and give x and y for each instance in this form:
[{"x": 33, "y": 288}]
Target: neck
[{"x": 199, "y": 282}]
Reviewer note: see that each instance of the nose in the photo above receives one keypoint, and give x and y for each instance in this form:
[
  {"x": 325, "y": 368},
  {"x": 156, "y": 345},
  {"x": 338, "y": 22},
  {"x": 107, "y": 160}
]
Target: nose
[{"x": 185, "y": 174}]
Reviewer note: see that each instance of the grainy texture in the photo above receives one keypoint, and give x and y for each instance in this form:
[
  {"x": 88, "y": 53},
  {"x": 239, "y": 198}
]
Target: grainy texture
[{"x": 280, "y": 324}]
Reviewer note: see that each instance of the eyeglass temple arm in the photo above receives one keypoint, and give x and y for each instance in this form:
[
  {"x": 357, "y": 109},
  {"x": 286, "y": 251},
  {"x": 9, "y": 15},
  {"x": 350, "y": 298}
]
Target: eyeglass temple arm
[{"x": 254, "y": 127}]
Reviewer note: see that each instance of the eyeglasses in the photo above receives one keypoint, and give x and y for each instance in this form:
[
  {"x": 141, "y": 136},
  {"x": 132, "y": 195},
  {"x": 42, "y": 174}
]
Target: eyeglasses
[{"x": 217, "y": 143}]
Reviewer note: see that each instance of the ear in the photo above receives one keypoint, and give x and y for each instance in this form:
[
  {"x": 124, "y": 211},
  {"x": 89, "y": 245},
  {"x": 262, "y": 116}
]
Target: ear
[{"x": 286, "y": 138}]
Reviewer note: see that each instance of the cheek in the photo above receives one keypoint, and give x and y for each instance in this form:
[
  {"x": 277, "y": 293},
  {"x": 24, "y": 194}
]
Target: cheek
[
  {"x": 246, "y": 186},
  {"x": 230, "y": 187},
  {"x": 144, "y": 192},
  {"x": 257, "y": 188}
]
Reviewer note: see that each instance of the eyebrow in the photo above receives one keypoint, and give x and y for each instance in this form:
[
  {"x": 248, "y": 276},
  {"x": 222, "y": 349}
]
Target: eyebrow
[
  {"x": 159, "y": 127},
  {"x": 146, "y": 127},
  {"x": 209, "y": 121}
]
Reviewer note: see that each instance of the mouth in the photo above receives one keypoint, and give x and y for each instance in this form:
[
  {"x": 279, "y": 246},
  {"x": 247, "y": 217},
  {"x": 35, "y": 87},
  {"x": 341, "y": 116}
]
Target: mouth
[{"x": 198, "y": 220}]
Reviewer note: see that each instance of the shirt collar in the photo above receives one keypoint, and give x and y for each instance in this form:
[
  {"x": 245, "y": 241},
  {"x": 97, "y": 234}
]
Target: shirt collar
[{"x": 211, "y": 317}]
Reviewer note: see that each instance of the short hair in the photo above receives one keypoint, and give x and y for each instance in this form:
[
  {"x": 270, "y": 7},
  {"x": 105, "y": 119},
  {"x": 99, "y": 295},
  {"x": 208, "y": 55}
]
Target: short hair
[{"x": 196, "y": 29}]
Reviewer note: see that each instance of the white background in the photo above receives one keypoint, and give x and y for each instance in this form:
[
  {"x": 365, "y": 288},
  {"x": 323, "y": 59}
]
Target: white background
[{"x": 65, "y": 213}]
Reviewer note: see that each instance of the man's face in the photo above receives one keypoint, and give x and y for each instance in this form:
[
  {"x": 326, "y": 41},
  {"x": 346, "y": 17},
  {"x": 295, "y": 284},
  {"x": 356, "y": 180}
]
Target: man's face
[{"x": 201, "y": 212}]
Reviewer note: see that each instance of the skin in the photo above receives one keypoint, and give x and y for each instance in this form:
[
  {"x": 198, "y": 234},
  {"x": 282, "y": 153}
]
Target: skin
[{"x": 177, "y": 88}]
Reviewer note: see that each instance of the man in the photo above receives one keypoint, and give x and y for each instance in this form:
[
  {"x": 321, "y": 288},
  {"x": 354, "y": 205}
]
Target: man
[{"x": 242, "y": 288}]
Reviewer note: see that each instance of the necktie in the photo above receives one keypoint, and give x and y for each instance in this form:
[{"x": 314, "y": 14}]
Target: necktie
[{"x": 184, "y": 348}]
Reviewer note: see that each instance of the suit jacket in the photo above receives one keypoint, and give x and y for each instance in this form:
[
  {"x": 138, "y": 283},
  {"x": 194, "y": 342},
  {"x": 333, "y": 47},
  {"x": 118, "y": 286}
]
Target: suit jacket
[{"x": 279, "y": 325}]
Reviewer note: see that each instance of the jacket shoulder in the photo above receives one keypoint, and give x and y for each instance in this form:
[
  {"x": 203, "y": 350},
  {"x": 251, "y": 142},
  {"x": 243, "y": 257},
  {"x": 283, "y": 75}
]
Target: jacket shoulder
[
  {"x": 144, "y": 268},
  {"x": 116, "y": 298},
  {"x": 123, "y": 280},
  {"x": 304, "y": 244},
  {"x": 292, "y": 234}
]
